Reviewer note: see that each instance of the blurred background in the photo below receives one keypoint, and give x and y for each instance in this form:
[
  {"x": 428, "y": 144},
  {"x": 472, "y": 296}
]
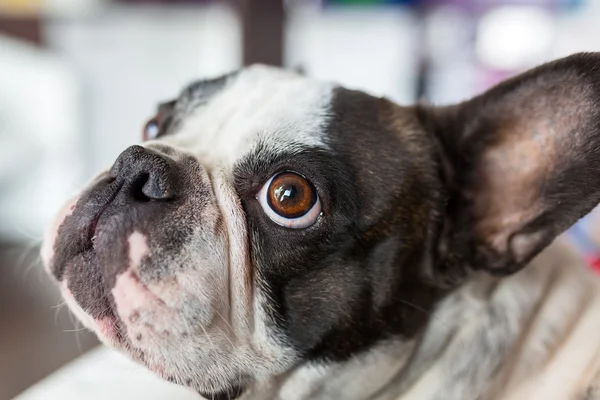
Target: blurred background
[{"x": 78, "y": 78}]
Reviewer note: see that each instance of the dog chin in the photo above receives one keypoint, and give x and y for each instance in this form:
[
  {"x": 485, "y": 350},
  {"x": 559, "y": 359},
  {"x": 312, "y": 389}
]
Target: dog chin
[
  {"x": 146, "y": 329},
  {"x": 162, "y": 324}
]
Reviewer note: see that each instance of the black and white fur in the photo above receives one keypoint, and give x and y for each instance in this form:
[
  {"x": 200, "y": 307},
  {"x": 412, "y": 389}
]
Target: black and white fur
[{"x": 431, "y": 273}]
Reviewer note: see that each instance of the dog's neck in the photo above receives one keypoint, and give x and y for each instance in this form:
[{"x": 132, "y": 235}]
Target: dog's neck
[
  {"x": 485, "y": 340},
  {"x": 359, "y": 378}
]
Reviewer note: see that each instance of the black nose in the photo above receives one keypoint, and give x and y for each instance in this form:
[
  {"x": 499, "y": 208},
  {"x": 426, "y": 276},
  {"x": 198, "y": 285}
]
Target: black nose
[{"x": 145, "y": 174}]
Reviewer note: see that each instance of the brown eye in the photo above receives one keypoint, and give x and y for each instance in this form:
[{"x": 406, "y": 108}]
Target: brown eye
[{"x": 290, "y": 200}]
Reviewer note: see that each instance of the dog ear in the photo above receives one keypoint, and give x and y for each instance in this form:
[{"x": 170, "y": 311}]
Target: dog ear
[{"x": 522, "y": 164}]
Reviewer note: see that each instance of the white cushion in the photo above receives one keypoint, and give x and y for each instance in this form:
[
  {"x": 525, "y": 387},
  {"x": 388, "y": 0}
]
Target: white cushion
[{"x": 104, "y": 374}]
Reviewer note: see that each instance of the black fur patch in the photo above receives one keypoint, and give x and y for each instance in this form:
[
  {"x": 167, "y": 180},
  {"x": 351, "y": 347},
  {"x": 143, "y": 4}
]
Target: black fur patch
[{"x": 359, "y": 274}]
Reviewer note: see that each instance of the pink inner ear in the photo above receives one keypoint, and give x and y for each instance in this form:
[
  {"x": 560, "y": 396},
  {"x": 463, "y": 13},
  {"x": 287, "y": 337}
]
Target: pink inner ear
[{"x": 509, "y": 186}]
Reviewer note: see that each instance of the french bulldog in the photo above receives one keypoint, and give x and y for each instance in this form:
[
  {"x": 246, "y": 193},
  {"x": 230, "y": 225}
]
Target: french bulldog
[{"x": 279, "y": 237}]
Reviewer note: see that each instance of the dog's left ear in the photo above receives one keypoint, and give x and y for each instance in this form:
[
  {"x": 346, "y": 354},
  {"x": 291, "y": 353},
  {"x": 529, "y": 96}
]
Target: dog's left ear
[{"x": 522, "y": 164}]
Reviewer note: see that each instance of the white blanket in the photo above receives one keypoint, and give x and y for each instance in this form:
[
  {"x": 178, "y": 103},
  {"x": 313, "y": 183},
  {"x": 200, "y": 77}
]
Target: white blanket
[{"x": 104, "y": 374}]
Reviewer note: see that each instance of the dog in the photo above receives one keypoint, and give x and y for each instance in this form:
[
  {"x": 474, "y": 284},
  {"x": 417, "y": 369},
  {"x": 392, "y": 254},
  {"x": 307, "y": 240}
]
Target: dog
[{"x": 278, "y": 237}]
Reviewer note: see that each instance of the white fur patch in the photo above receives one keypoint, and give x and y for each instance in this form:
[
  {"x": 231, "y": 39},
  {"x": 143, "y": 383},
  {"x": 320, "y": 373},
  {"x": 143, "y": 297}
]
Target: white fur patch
[{"x": 261, "y": 103}]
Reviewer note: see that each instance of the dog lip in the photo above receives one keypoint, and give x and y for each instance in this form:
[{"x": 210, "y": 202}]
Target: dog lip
[
  {"x": 75, "y": 235},
  {"x": 93, "y": 226}
]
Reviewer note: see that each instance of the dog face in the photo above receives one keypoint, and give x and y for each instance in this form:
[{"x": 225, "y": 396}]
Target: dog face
[{"x": 270, "y": 219}]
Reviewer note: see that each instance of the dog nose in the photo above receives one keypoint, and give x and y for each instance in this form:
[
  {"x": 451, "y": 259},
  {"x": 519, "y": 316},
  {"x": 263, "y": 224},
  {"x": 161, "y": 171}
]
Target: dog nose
[{"x": 145, "y": 174}]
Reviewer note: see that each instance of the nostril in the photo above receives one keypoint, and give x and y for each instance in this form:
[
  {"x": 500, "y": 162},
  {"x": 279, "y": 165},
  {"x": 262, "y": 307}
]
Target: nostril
[
  {"x": 157, "y": 186},
  {"x": 137, "y": 188},
  {"x": 147, "y": 187},
  {"x": 145, "y": 174}
]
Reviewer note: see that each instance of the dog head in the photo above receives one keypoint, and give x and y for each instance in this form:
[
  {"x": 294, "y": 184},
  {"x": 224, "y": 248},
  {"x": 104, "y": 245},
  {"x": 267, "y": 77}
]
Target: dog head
[{"x": 270, "y": 219}]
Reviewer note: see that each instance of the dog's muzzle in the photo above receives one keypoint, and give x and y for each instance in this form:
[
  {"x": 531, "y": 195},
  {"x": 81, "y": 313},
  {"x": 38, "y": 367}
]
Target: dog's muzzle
[{"x": 142, "y": 259}]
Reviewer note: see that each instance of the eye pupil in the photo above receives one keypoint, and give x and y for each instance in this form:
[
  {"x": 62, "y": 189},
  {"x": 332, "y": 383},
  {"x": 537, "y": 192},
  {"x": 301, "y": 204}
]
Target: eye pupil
[
  {"x": 291, "y": 195},
  {"x": 285, "y": 193}
]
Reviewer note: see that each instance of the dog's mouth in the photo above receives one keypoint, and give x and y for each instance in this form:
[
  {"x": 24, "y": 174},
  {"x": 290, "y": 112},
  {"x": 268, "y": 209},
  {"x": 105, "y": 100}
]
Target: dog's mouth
[
  {"x": 129, "y": 273},
  {"x": 76, "y": 257},
  {"x": 93, "y": 226},
  {"x": 77, "y": 233}
]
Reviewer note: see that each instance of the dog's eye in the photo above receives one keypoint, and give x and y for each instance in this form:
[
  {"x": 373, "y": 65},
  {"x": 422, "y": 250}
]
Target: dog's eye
[
  {"x": 151, "y": 129},
  {"x": 159, "y": 124},
  {"x": 290, "y": 200}
]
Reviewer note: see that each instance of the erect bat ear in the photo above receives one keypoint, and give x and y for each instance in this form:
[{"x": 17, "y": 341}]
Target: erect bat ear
[{"x": 522, "y": 163}]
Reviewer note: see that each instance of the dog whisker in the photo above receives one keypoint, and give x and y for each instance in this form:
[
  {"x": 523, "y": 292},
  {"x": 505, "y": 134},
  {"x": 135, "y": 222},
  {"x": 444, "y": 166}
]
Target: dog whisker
[
  {"x": 226, "y": 336},
  {"x": 76, "y": 325},
  {"x": 57, "y": 309},
  {"x": 25, "y": 253},
  {"x": 224, "y": 320},
  {"x": 75, "y": 330},
  {"x": 208, "y": 337},
  {"x": 428, "y": 313}
]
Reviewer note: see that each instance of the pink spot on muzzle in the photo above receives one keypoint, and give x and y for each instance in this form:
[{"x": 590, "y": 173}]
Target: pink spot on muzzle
[
  {"x": 138, "y": 249},
  {"x": 130, "y": 294}
]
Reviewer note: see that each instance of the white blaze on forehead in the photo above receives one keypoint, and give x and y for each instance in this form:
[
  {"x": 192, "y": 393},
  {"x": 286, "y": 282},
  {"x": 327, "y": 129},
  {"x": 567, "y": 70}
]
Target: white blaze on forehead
[
  {"x": 260, "y": 103},
  {"x": 138, "y": 249}
]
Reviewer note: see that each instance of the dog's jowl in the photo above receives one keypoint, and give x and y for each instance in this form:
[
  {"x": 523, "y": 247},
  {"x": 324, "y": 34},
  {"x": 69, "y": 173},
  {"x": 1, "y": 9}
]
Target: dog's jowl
[{"x": 277, "y": 237}]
